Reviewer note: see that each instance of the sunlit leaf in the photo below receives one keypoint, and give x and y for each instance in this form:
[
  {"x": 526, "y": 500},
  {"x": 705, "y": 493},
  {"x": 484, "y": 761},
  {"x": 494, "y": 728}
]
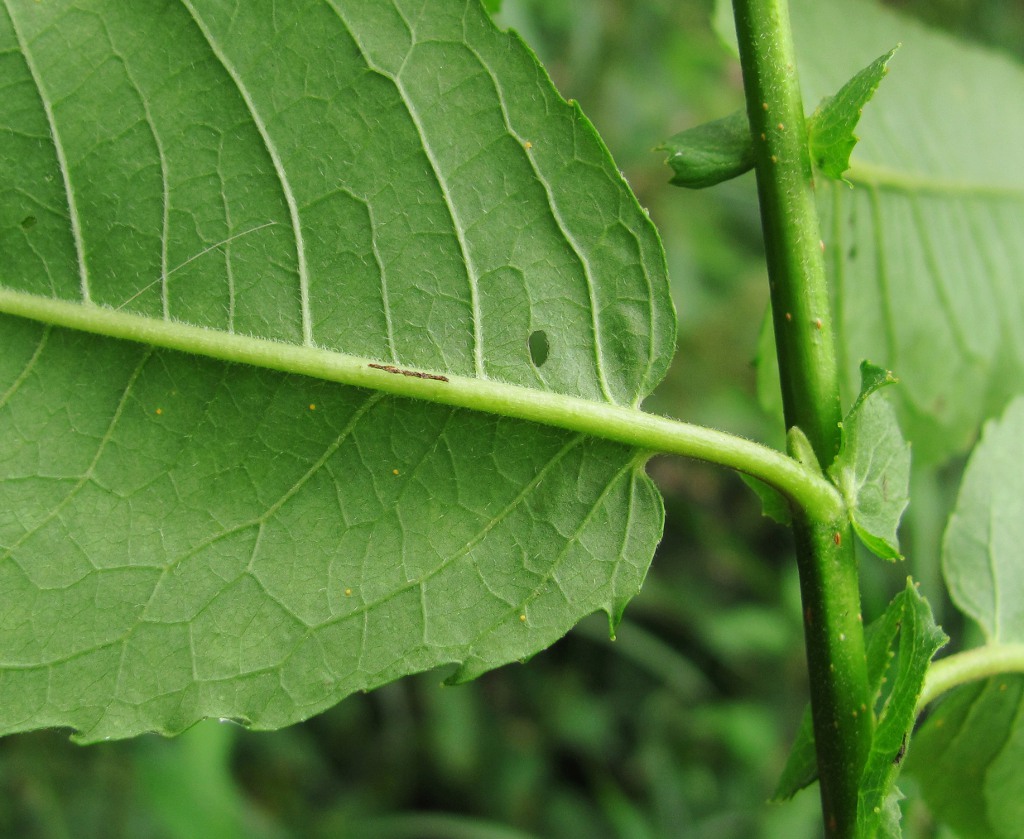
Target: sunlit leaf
[
  {"x": 982, "y": 551},
  {"x": 972, "y": 746}
]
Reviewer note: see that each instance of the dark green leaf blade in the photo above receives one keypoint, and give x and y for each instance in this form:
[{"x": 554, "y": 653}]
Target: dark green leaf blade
[
  {"x": 831, "y": 126},
  {"x": 711, "y": 153},
  {"x": 872, "y": 469},
  {"x": 773, "y": 504},
  {"x": 967, "y": 759},
  {"x": 801, "y": 769}
]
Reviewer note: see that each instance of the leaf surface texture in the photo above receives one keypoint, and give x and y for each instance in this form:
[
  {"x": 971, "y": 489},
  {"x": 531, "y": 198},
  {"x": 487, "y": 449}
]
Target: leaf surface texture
[{"x": 393, "y": 181}]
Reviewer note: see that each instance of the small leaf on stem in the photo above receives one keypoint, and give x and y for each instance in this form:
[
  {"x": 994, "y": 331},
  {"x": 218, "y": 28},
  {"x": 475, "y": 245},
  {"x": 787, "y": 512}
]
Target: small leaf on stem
[
  {"x": 830, "y": 128},
  {"x": 872, "y": 469},
  {"x": 711, "y": 153}
]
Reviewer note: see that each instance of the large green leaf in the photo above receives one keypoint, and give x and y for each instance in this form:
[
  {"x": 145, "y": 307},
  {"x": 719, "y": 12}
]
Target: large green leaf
[
  {"x": 972, "y": 747},
  {"x": 967, "y": 758},
  {"x": 981, "y": 552},
  {"x": 356, "y": 181},
  {"x": 926, "y": 252}
]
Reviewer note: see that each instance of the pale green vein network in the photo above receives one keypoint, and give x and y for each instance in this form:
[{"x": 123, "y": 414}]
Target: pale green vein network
[
  {"x": 476, "y": 540},
  {"x": 568, "y": 544},
  {"x": 165, "y": 230},
  {"x": 262, "y": 518},
  {"x": 279, "y": 168},
  {"x": 577, "y": 250},
  {"x": 266, "y": 555},
  {"x": 457, "y": 226},
  {"x": 27, "y": 370},
  {"x": 62, "y": 161},
  {"x": 88, "y": 473}
]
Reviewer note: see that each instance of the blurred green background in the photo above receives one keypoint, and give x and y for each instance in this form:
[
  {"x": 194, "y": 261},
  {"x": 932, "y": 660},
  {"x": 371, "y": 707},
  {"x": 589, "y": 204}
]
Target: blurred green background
[{"x": 680, "y": 727}]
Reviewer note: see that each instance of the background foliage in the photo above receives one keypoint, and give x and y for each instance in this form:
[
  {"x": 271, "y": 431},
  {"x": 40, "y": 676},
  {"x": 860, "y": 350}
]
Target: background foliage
[{"x": 681, "y": 726}]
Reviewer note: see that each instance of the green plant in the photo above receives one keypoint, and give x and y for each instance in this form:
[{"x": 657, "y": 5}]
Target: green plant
[{"x": 476, "y": 306}]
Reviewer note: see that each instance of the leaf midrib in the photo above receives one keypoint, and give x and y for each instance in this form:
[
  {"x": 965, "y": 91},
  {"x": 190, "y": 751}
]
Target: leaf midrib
[{"x": 630, "y": 426}]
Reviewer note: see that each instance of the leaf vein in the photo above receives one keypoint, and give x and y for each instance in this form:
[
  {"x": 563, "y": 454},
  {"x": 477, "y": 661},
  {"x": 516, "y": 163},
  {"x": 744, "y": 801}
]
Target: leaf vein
[{"x": 279, "y": 169}]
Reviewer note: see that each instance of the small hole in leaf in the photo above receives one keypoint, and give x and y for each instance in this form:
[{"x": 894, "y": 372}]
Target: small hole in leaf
[
  {"x": 539, "y": 347},
  {"x": 28, "y": 222}
]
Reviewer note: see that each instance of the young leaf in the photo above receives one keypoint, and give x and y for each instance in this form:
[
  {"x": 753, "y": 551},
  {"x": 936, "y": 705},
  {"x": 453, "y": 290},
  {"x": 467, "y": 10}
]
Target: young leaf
[
  {"x": 890, "y": 825},
  {"x": 801, "y": 767},
  {"x": 711, "y": 153},
  {"x": 919, "y": 640},
  {"x": 830, "y": 128},
  {"x": 981, "y": 552},
  {"x": 872, "y": 469},
  {"x": 184, "y": 538}
]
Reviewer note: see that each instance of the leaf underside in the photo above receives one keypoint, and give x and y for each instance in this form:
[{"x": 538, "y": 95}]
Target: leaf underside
[
  {"x": 184, "y": 538},
  {"x": 981, "y": 551},
  {"x": 926, "y": 251},
  {"x": 968, "y": 754}
]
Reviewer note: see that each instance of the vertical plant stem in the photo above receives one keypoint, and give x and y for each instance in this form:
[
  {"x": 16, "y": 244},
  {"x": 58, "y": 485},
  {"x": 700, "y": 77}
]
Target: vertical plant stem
[{"x": 840, "y": 702}]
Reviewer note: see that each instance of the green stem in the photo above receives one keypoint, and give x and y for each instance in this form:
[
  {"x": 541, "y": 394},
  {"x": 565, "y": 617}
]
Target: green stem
[
  {"x": 805, "y": 487},
  {"x": 840, "y": 700},
  {"x": 969, "y": 666}
]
